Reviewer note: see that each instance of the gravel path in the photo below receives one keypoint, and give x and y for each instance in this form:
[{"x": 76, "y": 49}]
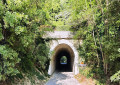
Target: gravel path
[{"x": 62, "y": 78}]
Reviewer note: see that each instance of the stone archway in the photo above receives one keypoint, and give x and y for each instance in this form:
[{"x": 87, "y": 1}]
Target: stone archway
[{"x": 63, "y": 48}]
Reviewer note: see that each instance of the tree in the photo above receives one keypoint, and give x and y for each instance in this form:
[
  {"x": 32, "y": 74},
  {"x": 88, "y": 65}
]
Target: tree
[{"x": 22, "y": 49}]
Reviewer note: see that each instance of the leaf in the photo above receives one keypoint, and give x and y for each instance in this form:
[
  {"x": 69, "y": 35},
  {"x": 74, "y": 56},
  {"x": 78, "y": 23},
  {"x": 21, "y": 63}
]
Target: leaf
[
  {"x": 10, "y": 59},
  {"x": 119, "y": 50},
  {"x": 19, "y": 29},
  {"x": 1, "y": 36},
  {"x": 115, "y": 77}
]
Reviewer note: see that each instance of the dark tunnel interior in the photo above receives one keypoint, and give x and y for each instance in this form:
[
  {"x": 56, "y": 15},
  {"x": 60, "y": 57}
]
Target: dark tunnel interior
[{"x": 63, "y": 67}]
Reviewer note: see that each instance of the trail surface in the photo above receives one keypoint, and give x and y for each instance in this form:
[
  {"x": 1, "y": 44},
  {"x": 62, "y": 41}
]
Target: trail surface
[{"x": 62, "y": 78}]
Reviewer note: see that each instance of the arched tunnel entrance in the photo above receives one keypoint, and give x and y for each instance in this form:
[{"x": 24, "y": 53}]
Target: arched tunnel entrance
[{"x": 55, "y": 63}]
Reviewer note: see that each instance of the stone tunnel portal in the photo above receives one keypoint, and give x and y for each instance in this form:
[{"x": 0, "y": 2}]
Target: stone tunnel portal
[{"x": 60, "y": 51}]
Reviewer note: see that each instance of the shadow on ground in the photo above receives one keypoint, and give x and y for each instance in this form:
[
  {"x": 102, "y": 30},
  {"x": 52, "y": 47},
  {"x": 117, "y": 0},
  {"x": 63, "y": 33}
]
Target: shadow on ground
[{"x": 62, "y": 78}]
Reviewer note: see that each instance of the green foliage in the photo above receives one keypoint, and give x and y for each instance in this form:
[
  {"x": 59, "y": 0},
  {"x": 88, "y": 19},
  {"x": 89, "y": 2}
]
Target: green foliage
[
  {"x": 8, "y": 60},
  {"x": 1, "y": 36},
  {"x": 115, "y": 77},
  {"x": 97, "y": 23},
  {"x": 63, "y": 59},
  {"x": 22, "y": 49},
  {"x": 19, "y": 29},
  {"x": 23, "y": 22},
  {"x": 14, "y": 19}
]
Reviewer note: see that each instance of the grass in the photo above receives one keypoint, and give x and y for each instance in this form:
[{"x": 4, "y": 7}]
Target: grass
[
  {"x": 85, "y": 77},
  {"x": 84, "y": 80}
]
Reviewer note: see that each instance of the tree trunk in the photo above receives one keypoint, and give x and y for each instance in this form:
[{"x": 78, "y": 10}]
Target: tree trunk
[
  {"x": 96, "y": 50},
  {"x": 101, "y": 52},
  {"x": 95, "y": 40}
]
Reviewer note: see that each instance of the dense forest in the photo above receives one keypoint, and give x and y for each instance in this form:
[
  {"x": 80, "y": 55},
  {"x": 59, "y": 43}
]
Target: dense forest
[{"x": 23, "y": 51}]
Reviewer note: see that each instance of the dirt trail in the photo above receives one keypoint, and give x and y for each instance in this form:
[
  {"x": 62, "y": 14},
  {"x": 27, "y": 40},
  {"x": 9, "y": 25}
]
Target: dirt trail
[{"x": 62, "y": 78}]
